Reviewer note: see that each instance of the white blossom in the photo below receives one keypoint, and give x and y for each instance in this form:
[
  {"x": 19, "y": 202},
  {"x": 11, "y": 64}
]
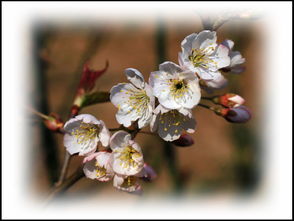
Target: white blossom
[
  {"x": 236, "y": 58},
  {"x": 134, "y": 100},
  {"x": 202, "y": 55},
  {"x": 82, "y": 134},
  {"x": 127, "y": 154},
  {"x": 98, "y": 166},
  {"x": 170, "y": 124},
  {"x": 174, "y": 87}
]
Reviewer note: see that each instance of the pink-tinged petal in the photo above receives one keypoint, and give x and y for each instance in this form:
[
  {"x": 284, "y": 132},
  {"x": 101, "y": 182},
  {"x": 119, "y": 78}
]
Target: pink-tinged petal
[
  {"x": 90, "y": 157},
  {"x": 221, "y": 57},
  {"x": 135, "y": 77}
]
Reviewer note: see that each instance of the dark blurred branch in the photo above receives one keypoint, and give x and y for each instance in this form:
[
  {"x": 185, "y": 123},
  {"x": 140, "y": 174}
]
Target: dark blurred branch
[
  {"x": 48, "y": 143},
  {"x": 58, "y": 191}
]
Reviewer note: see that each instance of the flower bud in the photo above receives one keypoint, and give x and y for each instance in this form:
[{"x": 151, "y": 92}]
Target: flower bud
[
  {"x": 229, "y": 100},
  {"x": 185, "y": 140},
  {"x": 148, "y": 174},
  {"x": 240, "y": 114},
  {"x": 53, "y": 122}
]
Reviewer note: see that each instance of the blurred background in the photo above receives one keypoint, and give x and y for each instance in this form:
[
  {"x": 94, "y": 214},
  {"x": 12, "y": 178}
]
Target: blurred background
[{"x": 224, "y": 158}]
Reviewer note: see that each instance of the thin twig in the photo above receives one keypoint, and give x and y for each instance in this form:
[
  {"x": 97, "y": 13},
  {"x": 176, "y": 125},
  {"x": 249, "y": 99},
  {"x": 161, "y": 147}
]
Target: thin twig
[
  {"x": 58, "y": 191},
  {"x": 64, "y": 169},
  {"x": 34, "y": 111}
]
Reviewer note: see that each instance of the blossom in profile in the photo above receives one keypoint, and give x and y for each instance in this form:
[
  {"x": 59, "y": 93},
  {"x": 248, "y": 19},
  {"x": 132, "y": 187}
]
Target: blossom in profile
[
  {"x": 236, "y": 59},
  {"x": 202, "y": 55},
  {"x": 131, "y": 183},
  {"x": 174, "y": 87},
  {"x": 127, "y": 154},
  {"x": 82, "y": 134},
  {"x": 169, "y": 123},
  {"x": 98, "y": 166},
  {"x": 134, "y": 100}
]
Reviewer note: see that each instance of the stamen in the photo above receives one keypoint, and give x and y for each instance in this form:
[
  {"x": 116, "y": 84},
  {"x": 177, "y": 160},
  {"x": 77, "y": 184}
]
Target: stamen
[
  {"x": 128, "y": 156},
  {"x": 85, "y": 132}
]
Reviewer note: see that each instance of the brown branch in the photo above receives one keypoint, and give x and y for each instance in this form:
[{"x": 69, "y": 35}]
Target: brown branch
[{"x": 59, "y": 190}]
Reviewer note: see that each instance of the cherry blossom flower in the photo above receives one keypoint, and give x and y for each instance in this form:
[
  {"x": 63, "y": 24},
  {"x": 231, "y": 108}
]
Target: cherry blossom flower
[
  {"x": 134, "y": 100},
  {"x": 170, "y": 124},
  {"x": 98, "y": 166},
  {"x": 236, "y": 58},
  {"x": 82, "y": 134},
  {"x": 174, "y": 87},
  {"x": 131, "y": 183},
  {"x": 127, "y": 154},
  {"x": 202, "y": 55}
]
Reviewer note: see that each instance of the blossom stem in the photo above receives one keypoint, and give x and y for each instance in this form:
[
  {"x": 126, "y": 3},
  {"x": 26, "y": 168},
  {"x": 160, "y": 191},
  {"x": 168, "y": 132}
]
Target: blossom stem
[
  {"x": 64, "y": 169},
  {"x": 45, "y": 117},
  {"x": 206, "y": 106}
]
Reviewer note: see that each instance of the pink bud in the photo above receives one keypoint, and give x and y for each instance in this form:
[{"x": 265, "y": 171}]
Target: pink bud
[
  {"x": 54, "y": 122},
  {"x": 229, "y": 100},
  {"x": 185, "y": 140}
]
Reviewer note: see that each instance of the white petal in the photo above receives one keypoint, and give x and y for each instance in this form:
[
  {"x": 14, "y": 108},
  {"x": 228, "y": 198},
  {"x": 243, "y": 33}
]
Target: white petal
[
  {"x": 186, "y": 44},
  {"x": 118, "y": 139},
  {"x": 90, "y": 169},
  {"x": 218, "y": 82},
  {"x": 203, "y": 37},
  {"x": 135, "y": 77},
  {"x": 170, "y": 67},
  {"x": 89, "y": 147},
  {"x": 221, "y": 57},
  {"x": 104, "y": 134},
  {"x": 236, "y": 58},
  {"x": 72, "y": 124},
  {"x": 87, "y": 118},
  {"x": 228, "y": 43},
  {"x": 71, "y": 144},
  {"x": 120, "y": 93}
]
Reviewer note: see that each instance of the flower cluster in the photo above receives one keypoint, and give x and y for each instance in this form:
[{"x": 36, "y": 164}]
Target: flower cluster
[
  {"x": 175, "y": 87},
  {"x": 124, "y": 162},
  {"x": 165, "y": 104}
]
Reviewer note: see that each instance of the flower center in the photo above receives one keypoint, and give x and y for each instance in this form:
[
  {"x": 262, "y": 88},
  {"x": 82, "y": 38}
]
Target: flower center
[
  {"x": 139, "y": 101},
  {"x": 85, "y": 132},
  {"x": 128, "y": 156},
  {"x": 129, "y": 181},
  {"x": 178, "y": 88},
  {"x": 100, "y": 171},
  {"x": 199, "y": 57}
]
